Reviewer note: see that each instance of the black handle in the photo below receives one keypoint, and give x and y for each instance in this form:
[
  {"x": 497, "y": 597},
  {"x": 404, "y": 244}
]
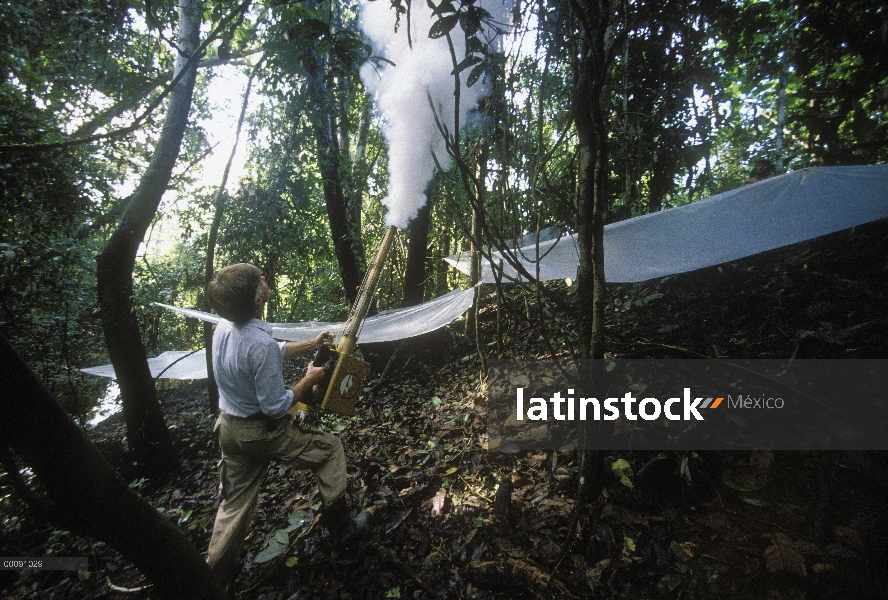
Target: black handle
[{"x": 321, "y": 356}]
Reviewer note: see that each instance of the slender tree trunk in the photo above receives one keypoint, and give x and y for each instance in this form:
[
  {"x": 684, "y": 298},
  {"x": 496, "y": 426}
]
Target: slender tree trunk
[
  {"x": 441, "y": 285},
  {"x": 146, "y": 430},
  {"x": 87, "y": 494},
  {"x": 270, "y": 270},
  {"x": 589, "y": 102},
  {"x": 417, "y": 252},
  {"x": 474, "y": 269},
  {"x": 359, "y": 171},
  {"x": 219, "y": 210},
  {"x": 591, "y": 179},
  {"x": 477, "y": 234},
  {"x": 782, "y": 84},
  {"x": 346, "y": 236}
]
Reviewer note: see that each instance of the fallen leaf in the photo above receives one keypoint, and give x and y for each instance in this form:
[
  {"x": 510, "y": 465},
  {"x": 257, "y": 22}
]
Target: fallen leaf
[
  {"x": 519, "y": 380},
  {"x": 744, "y": 478},
  {"x": 438, "y": 502},
  {"x": 851, "y": 537},
  {"x": 479, "y": 552},
  {"x": 781, "y": 556}
]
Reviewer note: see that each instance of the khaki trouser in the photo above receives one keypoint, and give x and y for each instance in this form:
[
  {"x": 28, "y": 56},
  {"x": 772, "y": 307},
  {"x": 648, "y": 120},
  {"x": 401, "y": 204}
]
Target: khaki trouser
[{"x": 247, "y": 449}]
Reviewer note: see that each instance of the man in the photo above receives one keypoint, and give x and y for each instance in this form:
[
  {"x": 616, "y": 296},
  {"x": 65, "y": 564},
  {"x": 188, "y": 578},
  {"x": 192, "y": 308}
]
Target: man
[{"x": 253, "y": 426}]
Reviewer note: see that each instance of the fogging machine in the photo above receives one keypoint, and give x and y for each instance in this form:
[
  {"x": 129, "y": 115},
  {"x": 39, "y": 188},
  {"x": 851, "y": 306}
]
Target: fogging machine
[{"x": 345, "y": 373}]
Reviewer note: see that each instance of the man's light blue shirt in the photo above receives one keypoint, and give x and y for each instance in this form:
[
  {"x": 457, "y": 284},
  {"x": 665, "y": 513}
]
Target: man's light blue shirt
[{"x": 248, "y": 365}]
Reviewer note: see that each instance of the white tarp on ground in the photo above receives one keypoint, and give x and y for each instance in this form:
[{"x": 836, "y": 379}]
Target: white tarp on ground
[
  {"x": 755, "y": 218},
  {"x": 384, "y": 327},
  {"x": 390, "y": 325},
  {"x": 751, "y": 219},
  {"x": 188, "y": 365}
]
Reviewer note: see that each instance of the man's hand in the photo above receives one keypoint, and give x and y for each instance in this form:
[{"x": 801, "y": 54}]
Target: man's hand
[
  {"x": 308, "y": 346},
  {"x": 313, "y": 375},
  {"x": 302, "y": 391},
  {"x": 305, "y": 417},
  {"x": 324, "y": 339}
]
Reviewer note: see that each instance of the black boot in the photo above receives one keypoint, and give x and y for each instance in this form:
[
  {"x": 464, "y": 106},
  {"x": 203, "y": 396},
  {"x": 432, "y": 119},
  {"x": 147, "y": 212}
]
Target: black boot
[{"x": 342, "y": 527}]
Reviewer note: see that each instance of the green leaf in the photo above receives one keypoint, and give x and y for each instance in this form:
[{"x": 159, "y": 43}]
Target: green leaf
[
  {"x": 443, "y": 26},
  {"x": 297, "y": 519},
  {"x": 623, "y": 470},
  {"x": 382, "y": 59},
  {"x": 497, "y": 60},
  {"x": 275, "y": 47},
  {"x": 474, "y": 44},
  {"x": 475, "y": 75},
  {"x": 651, "y": 297},
  {"x": 685, "y": 470},
  {"x": 311, "y": 29},
  {"x": 465, "y": 64},
  {"x": 273, "y": 550},
  {"x": 310, "y": 64},
  {"x": 282, "y": 536},
  {"x": 446, "y": 6}
]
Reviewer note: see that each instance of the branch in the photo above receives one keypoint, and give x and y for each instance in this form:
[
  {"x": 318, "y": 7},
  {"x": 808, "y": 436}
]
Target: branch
[
  {"x": 496, "y": 236},
  {"x": 192, "y": 61}
]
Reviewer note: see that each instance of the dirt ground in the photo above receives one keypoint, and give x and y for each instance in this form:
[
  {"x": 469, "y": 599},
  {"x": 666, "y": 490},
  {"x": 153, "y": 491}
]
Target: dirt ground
[{"x": 451, "y": 519}]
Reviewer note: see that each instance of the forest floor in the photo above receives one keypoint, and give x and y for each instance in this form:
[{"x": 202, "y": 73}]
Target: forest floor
[{"x": 451, "y": 519}]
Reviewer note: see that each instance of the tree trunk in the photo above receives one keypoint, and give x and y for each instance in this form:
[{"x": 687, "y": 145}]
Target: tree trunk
[
  {"x": 346, "y": 235},
  {"x": 478, "y": 216},
  {"x": 475, "y": 245},
  {"x": 661, "y": 184},
  {"x": 146, "y": 430},
  {"x": 441, "y": 284},
  {"x": 219, "y": 210},
  {"x": 782, "y": 84},
  {"x": 589, "y": 103},
  {"x": 87, "y": 495},
  {"x": 417, "y": 252},
  {"x": 360, "y": 167},
  {"x": 588, "y": 107}
]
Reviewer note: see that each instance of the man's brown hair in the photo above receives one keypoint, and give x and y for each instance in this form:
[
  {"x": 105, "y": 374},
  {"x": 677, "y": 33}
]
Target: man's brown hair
[{"x": 232, "y": 292}]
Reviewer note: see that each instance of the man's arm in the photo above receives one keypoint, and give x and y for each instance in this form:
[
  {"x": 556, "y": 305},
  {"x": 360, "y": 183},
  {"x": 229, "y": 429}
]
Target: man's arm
[
  {"x": 308, "y": 346},
  {"x": 313, "y": 376}
]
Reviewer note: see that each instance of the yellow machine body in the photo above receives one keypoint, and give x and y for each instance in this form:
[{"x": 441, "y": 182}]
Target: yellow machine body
[
  {"x": 345, "y": 384},
  {"x": 350, "y": 371}
]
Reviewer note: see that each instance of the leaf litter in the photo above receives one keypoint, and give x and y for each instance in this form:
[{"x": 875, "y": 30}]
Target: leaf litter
[{"x": 661, "y": 525}]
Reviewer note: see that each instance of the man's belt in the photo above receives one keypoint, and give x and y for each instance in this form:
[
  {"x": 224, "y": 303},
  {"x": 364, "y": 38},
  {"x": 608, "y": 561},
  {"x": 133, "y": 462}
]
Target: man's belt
[{"x": 270, "y": 422}]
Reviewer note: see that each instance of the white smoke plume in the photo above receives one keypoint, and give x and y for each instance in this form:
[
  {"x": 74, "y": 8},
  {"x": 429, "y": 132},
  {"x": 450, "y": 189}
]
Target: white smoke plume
[{"x": 401, "y": 93}]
